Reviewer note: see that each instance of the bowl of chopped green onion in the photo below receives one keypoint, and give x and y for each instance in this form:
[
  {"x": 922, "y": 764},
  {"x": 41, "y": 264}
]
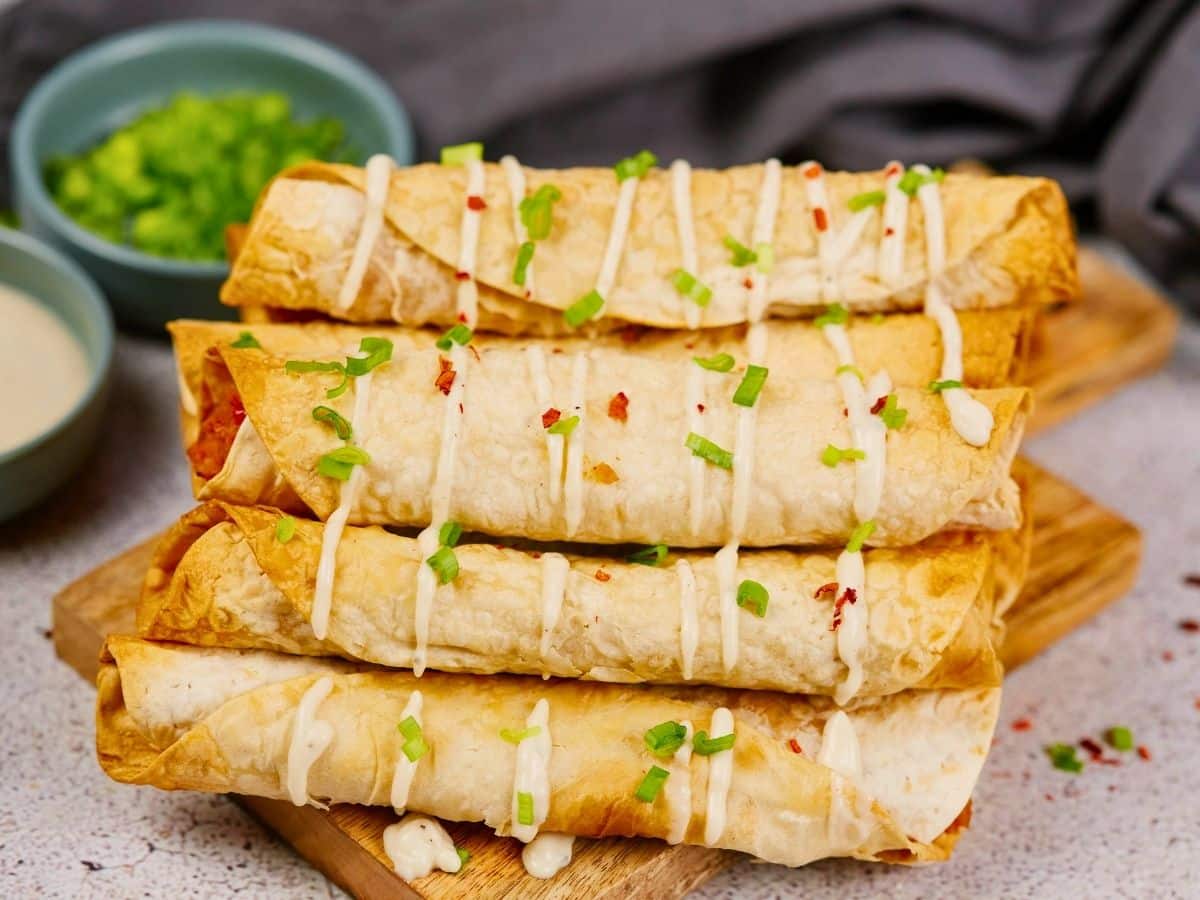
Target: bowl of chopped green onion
[{"x": 134, "y": 154}]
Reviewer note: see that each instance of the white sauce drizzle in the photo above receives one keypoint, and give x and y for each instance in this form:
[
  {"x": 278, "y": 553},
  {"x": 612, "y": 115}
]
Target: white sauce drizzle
[
  {"x": 726, "y": 564},
  {"x": 468, "y": 291},
  {"x": 893, "y": 229},
  {"x": 536, "y": 357},
  {"x": 689, "y": 624},
  {"x": 378, "y": 176},
  {"x": 402, "y": 775},
  {"x": 720, "y": 774},
  {"x": 516, "y": 190},
  {"x": 310, "y": 738},
  {"x": 555, "y": 569},
  {"x": 971, "y": 419},
  {"x": 417, "y": 845},
  {"x": 681, "y": 193},
  {"x": 747, "y": 422},
  {"x": 852, "y": 632},
  {"x": 548, "y": 854},
  {"x": 616, "y": 240},
  {"x": 694, "y": 397},
  {"x": 532, "y": 773},
  {"x": 679, "y": 788},
  {"x": 573, "y": 486},
  {"x": 764, "y": 230}
]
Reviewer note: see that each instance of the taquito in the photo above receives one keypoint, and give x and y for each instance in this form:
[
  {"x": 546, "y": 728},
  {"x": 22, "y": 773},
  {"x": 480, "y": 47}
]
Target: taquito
[
  {"x": 223, "y": 577},
  {"x": 653, "y": 452},
  {"x": 798, "y": 780},
  {"x": 750, "y": 240}
]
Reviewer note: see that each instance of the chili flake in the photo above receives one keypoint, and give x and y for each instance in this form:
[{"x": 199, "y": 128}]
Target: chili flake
[
  {"x": 794, "y": 746},
  {"x": 879, "y": 405},
  {"x": 476, "y": 203},
  {"x": 1189, "y": 625},
  {"x": 1022, "y": 725},
  {"x": 813, "y": 171},
  {"x": 550, "y": 416},
  {"x": 820, "y": 219},
  {"x": 1144, "y": 752},
  {"x": 618, "y": 407},
  {"x": 831, "y": 588},
  {"x": 700, "y": 408},
  {"x": 445, "y": 378},
  {"x": 462, "y": 276},
  {"x": 848, "y": 596},
  {"x": 602, "y": 576}
]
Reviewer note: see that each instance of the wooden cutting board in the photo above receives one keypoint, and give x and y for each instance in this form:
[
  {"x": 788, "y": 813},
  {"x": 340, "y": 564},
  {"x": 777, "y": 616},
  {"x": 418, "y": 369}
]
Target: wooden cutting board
[{"x": 1084, "y": 557}]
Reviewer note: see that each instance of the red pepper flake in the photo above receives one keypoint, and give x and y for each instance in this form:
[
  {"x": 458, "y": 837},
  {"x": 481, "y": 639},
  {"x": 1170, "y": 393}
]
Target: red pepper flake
[
  {"x": 462, "y": 276},
  {"x": 812, "y": 171},
  {"x": 848, "y": 596},
  {"x": 462, "y": 317},
  {"x": 889, "y": 231},
  {"x": 1144, "y": 752},
  {"x": 845, "y": 413},
  {"x": 748, "y": 283},
  {"x": 820, "y": 219},
  {"x": 1022, "y": 725},
  {"x": 794, "y": 746},
  {"x": 892, "y": 169},
  {"x": 550, "y": 416},
  {"x": 460, "y": 409},
  {"x": 475, "y": 203},
  {"x": 1192, "y": 579},
  {"x": 700, "y": 408},
  {"x": 690, "y": 345},
  {"x": 618, "y": 407},
  {"x": 602, "y": 576},
  {"x": 445, "y": 379},
  {"x": 1095, "y": 751},
  {"x": 831, "y": 588},
  {"x": 1049, "y": 797},
  {"x": 1168, "y": 656},
  {"x": 878, "y": 406},
  {"x": 528, "y": 295},
  {"x": 536, "y": 555},
  {"x": 1189, "y": 625},
  {"x": 556, "y": 349}
]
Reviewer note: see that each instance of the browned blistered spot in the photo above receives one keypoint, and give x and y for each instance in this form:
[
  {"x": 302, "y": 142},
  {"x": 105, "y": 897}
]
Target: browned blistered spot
[{"x": 603, "y": 473}]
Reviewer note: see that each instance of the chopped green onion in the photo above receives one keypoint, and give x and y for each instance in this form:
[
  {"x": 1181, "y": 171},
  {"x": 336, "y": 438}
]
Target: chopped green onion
[
  {"x": 635, "y": 166},
  {"x": 912, "y": 180},
  {"x": 1062, "y": 756},
  {"x": 722, "y": 362},
  {"x": 464, "y": 857},
  {"x": 449, "y": 534},
  {"x": 302, "y": 366},
  {"x": 340, "y": 463},
  {"x": 753, "y": 596},
  {"x": 766, "y": 257},
  {"x": 742, "y": 255},
  {"x": 461, "y": 154},
  {"x": 751, "y": 386},
  {"x": 334, "y": 420},
  {"x": 651, "y": 784},
  {"x": 445, "y": 564},
  {"x": 378, "y": 350},
  {"x": 835, "y": 314},
  {"x": 537, "y": 213},
  {"x": 583, "y": 309},
  {"x": 832, "y": 455},
  {"x": 460, "y": 334},
  {"x": 665, "y": 738},
  {"x": 515, "y": 736},
  {"x": 850, "y": 369},
  {"x": 707, "y": 450},
  {"x": 524, "y": 807},
  {"x": 524, "y": 258},
  {"x": 564, "y": 426},
  {"x": 865, "y": 200},
  {"x": 648, "y": 556},
  {"x": 285, "y": 529},
  {"x": 414, "y": 746},
  {"x": 691, "y": 287},
  {"x": 938, "y": 386},
  {"x": 892, "y": 415},
  {"x": 859, "y": 535},
  {"x": 1119, "y": 738},
  {"x": 246, "y": 341},
  {"x": 706, "y": 746}
]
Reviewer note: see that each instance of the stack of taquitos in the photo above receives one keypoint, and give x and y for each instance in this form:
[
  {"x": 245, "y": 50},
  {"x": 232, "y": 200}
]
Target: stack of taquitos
[{"x": 889, "y": 441}]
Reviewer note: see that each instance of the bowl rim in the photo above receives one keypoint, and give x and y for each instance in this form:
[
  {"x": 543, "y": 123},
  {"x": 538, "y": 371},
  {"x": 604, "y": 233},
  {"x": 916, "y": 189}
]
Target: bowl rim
[
  {"x": 46, "y": 255},
  {"x": 221, "y": 33}
]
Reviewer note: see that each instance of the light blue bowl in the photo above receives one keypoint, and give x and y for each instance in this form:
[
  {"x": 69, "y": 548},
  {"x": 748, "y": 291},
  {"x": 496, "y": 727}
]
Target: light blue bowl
[
  {"x": 32, "y": 470},
  {"x": 99, "y": 89}
]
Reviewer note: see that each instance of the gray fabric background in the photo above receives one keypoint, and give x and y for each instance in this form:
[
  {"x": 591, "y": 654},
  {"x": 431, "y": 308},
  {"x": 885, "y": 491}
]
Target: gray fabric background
[{"x": 1102, "y": 94}]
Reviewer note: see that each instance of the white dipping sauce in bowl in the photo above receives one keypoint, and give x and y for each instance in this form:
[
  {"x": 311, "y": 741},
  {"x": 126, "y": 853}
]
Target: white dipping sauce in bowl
[{"x": 43, "y": 368}]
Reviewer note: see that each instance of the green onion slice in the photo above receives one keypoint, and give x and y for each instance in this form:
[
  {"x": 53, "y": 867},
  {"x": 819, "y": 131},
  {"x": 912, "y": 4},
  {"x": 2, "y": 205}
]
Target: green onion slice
[
  {"x": 766, "y": 257},
  {"x": 285, "y": 529},
  {"x": 707, "y": 450},
  {"x": 302, "y": 366},
  {"x": 378, "y": 350},
  {"x": 648, "y": 556},
  {"x": 334, "y": 420},
  {"x": 537, "y": 213},
  {"x": 751, "y": 386},
  {"x": 865, "y": 200},
  {"x": 832, "y": 455},
  {"x": 460, "y": 334},
  {"x": 753, "y": 596},
  {"x": 721, "y": 362},
  {"x": 892, "y": 415},
  {"x": 340, "y": 463},
  {"x": 651, "y": 784},
  {"x": 1062, "y": 756},
  {"x": 449, "y": 534},
  {"x": 691, "y": 287},
  {"x": 524, "y": 258},
  {"x": 850, "y": 369},
  {"x": 741, "y": 254},
  {"x": 665, "y": 738},
  {"x": 461, "y": 154},
  {"x": 862, "y": 531},
  {"x": 912, "y": 180},
  {"x": 464, "y": 857},
  {"x": 524, "y": 807},
  {"x": 564, "y": 426},
  {"x": 444, "y": 564},
  {"x": 947, "y": 384},
  {"x": 414, "y": 746},
  {"x": 703, "y": 745},
  {"x": 583, "y": 309},
  {"x": 835, "y": 314},
  {"x": 516, "y": 735},
  {"x": 636, "y": 166},
  {"x": 1119, "y": 738},
  {"x": 246, "y": 341}
]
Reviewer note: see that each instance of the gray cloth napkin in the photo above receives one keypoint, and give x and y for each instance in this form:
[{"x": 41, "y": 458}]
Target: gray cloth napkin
[{"x": 1101, "y": 94}]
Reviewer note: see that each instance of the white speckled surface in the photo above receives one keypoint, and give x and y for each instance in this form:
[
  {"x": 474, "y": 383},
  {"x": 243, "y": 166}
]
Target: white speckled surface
[{"x": 1133, "y": 830}]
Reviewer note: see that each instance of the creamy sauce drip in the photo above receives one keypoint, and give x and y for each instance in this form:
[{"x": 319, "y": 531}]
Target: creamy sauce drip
[
  {"x": 573, "y": 485},
  {"x": 681, "y": 194},
  {"x": 555, "y": 569},
  {"x": 417, "y": 845},
  {"x": 720, "y": 775},
  {"x": 548, "y": 854},
  {"x": 468, "y": 290},
  {"x": 516, "y": 191},
  {"x": 406, "y": 769},
  {"x": 894, "y": 227},
  {"x": 689, "y": 623},
  {"x": 310, "y": 738},
  {"x": 378, "y": 177},
  {"x": 616, "y": 240},
  {"x": 764, "y": 230},
  {"x": 852, "y": 632},
  {"x": 535, "y": 356},
  {"x": 679, "y": 788},
  {"x": 532, "y": 773}
]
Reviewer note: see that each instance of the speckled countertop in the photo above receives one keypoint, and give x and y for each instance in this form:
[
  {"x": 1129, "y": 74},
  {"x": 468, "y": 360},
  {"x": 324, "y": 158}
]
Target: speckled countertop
[{"x": 1127, "y": 831}]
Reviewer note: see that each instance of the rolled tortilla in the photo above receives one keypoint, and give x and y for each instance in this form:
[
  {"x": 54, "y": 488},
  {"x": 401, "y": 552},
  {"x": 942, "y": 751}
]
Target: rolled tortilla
[
  {"x": 623, "y": 480},
  {"x": 222, "y": 578},
  {"x": 1008, "y": 241},
  {"x": 888, "y": 779}
]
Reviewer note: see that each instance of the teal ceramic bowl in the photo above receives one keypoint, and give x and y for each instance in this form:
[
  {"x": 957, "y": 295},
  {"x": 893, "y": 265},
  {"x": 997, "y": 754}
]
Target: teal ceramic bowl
[
  {"x": 30, "y": 471},
  {"x": 99, "y": 89}
]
